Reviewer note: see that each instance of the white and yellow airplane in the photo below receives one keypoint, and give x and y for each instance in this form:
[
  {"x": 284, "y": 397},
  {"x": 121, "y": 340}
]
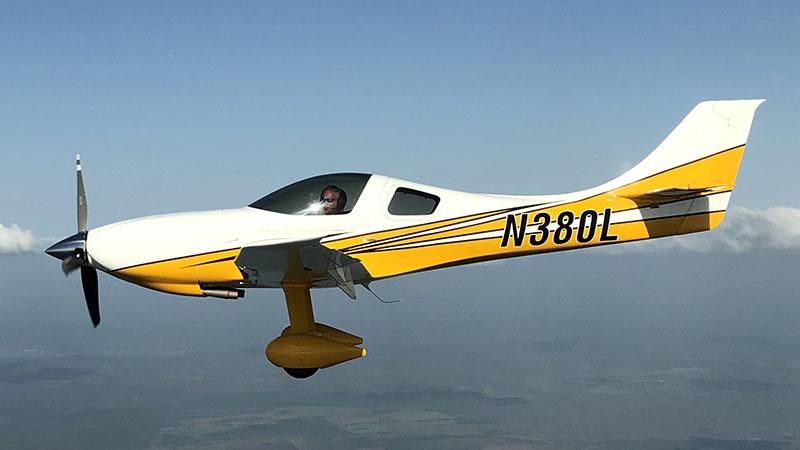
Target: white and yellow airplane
[{"x": 346, "y": 229}]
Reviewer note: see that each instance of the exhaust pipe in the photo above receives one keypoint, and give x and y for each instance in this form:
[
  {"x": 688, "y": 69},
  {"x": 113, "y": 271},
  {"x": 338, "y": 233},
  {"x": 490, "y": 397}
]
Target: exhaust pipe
[{"x": 228, "y": 294}]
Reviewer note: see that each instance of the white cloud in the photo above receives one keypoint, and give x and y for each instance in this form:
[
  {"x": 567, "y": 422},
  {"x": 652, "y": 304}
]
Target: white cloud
[
  {"x": 14, "y": 239},
  {"x": 743, "y": 229}
]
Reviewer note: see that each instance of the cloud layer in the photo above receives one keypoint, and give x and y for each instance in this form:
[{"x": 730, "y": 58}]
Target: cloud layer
[
  {"x": 14, "y": 239},
  {"x": 743, "y": 229}
]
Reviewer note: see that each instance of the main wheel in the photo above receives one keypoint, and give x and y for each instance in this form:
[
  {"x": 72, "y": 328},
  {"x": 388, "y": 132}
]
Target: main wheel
[{"x": 300, "y": 373}]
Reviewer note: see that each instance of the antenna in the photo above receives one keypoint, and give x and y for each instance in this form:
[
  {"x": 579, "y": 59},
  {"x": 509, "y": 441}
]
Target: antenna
[{"x": 366, "y": 286}]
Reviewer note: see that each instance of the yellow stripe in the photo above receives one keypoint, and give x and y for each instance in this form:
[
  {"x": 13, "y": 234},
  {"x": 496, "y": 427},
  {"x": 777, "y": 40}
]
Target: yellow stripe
[
  {"x": 488, "y": 227},
  {"x": 389, "y": 263},
  {"x": 182, "y": 275},
  {"x": 717, "y": 171}
]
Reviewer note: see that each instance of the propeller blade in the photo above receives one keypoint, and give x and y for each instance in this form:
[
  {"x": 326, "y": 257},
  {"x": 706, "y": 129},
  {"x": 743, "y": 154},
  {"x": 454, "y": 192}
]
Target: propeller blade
[
  {"x": 82, "y": 207},
  {"x": 89, "y": 281},
  {"x": 70, "y": 264}
]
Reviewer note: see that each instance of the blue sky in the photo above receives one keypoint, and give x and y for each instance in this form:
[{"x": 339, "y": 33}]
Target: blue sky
[{"x": 180, "y": 106}]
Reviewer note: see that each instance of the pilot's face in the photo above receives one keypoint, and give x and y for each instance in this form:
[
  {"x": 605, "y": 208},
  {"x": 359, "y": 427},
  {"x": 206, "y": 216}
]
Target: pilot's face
[{"x": 330, "y": 202}]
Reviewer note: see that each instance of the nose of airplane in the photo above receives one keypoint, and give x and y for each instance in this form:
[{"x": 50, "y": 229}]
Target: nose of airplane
[{"x": 74, "y": 245}]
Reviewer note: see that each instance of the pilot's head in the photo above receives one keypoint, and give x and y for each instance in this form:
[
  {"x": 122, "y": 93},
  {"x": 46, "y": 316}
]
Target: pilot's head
[{"x": 333, "y": 200}]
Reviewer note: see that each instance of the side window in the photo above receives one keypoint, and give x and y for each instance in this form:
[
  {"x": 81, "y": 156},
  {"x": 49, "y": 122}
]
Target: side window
[{"x": 409, "y": 202}]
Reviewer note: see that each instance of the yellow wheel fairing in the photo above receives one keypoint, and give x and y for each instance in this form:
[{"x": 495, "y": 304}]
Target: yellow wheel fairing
[
  {"x": 383, "y": 258},
  {"x": 183, "y": 275}
]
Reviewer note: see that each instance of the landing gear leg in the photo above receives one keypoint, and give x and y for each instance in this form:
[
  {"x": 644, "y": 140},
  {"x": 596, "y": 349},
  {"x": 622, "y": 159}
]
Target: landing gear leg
[
  {"x": 298, "y": 304},
  {"x": 301, "y": 320},
  {"x": 306, "y": 346}
]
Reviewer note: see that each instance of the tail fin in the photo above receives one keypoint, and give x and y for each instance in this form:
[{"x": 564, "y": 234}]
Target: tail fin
[
  {"x": 684, "y": 185},
  {"x": 711, "y": 128}
]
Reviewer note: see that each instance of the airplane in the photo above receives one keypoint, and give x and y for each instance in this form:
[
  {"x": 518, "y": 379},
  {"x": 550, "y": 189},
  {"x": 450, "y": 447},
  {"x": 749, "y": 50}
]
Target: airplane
[{"x": 348, "y": 229}]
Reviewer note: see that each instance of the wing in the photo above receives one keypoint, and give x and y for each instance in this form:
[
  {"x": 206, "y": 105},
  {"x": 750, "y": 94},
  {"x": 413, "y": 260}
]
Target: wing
[{"x": 306, "y": 263}]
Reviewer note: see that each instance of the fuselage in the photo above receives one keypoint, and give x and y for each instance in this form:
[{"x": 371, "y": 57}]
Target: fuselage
[{"x": 184, "y": 253}]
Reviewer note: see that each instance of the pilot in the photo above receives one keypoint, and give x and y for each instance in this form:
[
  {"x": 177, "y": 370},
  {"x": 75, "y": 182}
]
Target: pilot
[{"x": 333, "y": 200}]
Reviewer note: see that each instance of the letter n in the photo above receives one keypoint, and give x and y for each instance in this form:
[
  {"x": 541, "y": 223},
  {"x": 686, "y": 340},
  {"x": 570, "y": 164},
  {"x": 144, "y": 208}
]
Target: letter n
[{"x": 512, "y": 229}]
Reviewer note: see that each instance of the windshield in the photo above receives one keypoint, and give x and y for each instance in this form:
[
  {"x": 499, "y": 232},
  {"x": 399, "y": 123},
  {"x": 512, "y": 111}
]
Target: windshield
[{"x": 322, "y": 195}]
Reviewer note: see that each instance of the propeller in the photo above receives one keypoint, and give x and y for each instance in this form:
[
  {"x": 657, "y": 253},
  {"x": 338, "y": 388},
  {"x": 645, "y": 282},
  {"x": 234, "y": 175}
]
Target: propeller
[
  {"x": 72, "y": 253},
  {"x": 89, "y": 281},
  {"x": 82, "y": 209}
]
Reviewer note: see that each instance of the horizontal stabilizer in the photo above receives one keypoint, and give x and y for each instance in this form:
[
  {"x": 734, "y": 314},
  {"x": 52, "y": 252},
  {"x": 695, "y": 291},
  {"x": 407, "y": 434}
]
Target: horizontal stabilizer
[{"x": 661, "y": 196}]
